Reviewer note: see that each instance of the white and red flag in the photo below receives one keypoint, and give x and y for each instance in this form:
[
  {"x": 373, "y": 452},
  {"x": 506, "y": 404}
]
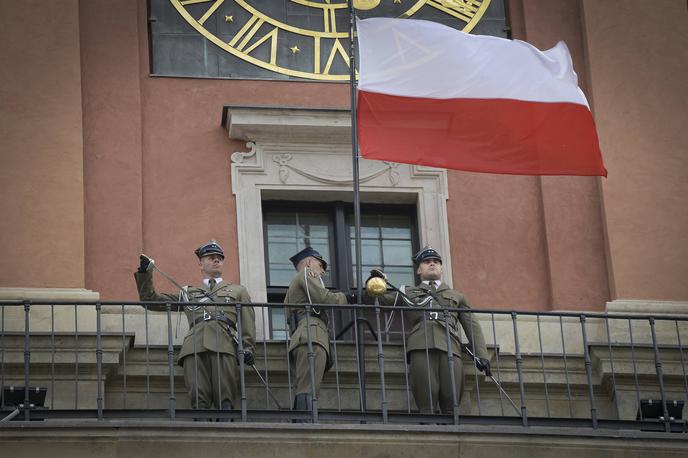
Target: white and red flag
[{"x": 432, "y": 95}]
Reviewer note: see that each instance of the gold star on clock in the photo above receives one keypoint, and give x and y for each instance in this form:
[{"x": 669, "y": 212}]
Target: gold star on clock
[
  {"x": 397, "y": 1},
  {"x": 229, "y": 18},
  {"x": 294, "y": 49}
]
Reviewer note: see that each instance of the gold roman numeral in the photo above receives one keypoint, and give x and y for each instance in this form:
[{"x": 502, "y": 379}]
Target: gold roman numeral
[
  {"x": 330, "y": 26},
  {"x": 460, "y": 9},
  {"x": 338, "y": 48},
  {"x": 210, "y": 10},
  {"x": 329, "y": 21},
  {"x": 248, "y": 31}
]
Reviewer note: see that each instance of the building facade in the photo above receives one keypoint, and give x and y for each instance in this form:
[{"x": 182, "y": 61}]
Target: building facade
[{"x": 103, "y": 158}]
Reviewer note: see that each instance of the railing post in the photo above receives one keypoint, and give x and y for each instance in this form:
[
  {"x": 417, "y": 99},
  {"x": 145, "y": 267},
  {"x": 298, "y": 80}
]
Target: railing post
[
  {"x": 27, "y": 360},
  {"x": 195, "y": 355},
  {"x": 660, "y": 377},
  {"x": 519, "y": 370},
  {"x": 170, "y": 361},
  {"x": 2, "y": 354},
  {"x": 360, "y": 358},
  {"x": 542, "y": 366},
  {"x": 683, "y": 363},
  {"x": 475, "y": 371},
  {"x": 336, "y": 361},
  {"x": 145, "y": 320},
  {"x": 52, "y": 356},
  {"x": 218, "y": 361},
  {"x": 381, "y": 361},
  {"x": 450, "y": 362},
  {"x": 265, "y": 363},
  {"x": 286, "y": 352},
  {"x": 311, "y": 366},
  {"x": 635, "y": 369},
  {"x": 406, "y": 367},
  {"x": 588, "y": 373},
  {"x": 240, "y": 349},
  {"x": 99, "y": 362},
  {"x": 124, "y": 361},
  {"x": 431, "y": 401},
  {"x": 566, "y": 366},
  {"x": 611, "y": 363},
  {"x": 499, "y": 377},
  {"x": 76, "y": 358}
]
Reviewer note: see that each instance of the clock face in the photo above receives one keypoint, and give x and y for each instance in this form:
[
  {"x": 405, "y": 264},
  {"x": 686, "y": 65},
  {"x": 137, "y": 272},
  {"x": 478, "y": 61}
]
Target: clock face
[{"x": 308, "y": 38}]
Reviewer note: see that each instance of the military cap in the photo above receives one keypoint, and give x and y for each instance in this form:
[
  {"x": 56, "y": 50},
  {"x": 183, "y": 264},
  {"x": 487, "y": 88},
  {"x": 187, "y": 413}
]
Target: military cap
[
  {"x": 305, "y": 253},
  {"x": 211, "y": 247},
  {"x": 427, "y": 252}
]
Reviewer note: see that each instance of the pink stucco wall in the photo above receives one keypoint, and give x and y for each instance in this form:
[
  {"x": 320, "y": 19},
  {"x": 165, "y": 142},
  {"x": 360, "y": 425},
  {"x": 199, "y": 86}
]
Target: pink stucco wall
[
  {"x": 638, "y": 62},
  {"x": 41, "y": 153}
]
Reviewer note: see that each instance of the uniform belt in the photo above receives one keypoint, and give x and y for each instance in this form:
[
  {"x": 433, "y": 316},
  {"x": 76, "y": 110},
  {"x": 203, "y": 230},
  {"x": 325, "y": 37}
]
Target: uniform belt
[
  {"x": 298, "y": 317},
  {"x": 439, "y": 316},
  {"x": 435, "y": 316},
  {"x": 212, "y": 317}
]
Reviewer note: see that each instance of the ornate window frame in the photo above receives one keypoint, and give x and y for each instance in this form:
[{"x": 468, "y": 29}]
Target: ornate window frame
[{"x": 305, "y": 154}]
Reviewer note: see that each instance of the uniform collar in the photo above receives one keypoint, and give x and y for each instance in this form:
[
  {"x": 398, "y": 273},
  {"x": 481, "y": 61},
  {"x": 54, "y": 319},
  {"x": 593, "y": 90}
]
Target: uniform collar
[
  {"x": 437, "y": 283},
  {"x": 206, "y": 282}
]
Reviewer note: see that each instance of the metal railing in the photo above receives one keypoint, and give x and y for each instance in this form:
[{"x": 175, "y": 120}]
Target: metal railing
[{"x": 118, "y": 360}]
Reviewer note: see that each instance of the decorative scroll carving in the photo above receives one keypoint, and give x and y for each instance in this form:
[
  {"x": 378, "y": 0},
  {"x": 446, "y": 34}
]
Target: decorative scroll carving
[{"x": 239, "y": 156}]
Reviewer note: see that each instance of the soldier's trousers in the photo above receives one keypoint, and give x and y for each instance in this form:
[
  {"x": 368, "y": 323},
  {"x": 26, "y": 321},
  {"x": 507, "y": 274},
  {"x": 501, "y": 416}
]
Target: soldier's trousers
[
  {"x": 302, "y": 370},
  {"x": 213, "y": 376},
  {"x": 431, "y": 380}
]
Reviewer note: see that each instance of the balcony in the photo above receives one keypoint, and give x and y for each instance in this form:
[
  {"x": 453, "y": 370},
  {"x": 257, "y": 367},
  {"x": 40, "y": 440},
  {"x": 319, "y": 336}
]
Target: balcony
[{"x": 562, "y": 381}]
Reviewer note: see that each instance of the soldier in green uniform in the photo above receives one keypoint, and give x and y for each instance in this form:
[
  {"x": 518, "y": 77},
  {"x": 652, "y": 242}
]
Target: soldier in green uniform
[
  {"x": 209, "y": 352},
  {"x": 307, "y": 287},
  {"x": 426, "y": 348}
]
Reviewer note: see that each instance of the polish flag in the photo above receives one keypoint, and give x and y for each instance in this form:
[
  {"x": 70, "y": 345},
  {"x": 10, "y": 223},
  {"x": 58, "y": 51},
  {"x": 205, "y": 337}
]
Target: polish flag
[{"x": 432, "y": 95}]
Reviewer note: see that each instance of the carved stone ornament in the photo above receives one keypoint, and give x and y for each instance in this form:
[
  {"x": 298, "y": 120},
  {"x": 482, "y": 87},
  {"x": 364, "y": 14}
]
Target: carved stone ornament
[{"x": 239, "y": 156}]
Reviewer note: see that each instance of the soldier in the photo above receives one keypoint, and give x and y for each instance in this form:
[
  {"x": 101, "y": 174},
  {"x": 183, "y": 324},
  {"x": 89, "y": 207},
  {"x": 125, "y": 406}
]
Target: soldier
[
  {"x": 208, "y": 354},
  {"x": 426, "y": 348},
  {"x": 307, "y": 287}
]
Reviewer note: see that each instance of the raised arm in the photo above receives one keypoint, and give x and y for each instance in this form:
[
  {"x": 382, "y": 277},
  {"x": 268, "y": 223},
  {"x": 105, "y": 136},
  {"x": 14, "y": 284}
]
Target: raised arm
[
  {"x": 317, "y": 293},
  {"x": 144, "y": 284},
  {"x": 390, "y": 298}
]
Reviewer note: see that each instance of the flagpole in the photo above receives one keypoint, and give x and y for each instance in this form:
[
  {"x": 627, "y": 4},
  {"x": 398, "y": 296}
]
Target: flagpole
[{"x": 358, "y": 323}]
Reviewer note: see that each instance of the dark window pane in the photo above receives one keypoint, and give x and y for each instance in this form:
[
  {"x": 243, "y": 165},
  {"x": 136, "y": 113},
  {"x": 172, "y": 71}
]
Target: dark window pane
[
  {"x": 370, "y": 252},
  {"x": 280, "y": 250},
  {"x": 279, "y": 324},
  {"x": 397, "y": 252},
  {"x": 395, "y": 227},
  {"x": 289, "y": 232},
  {"x": 400, "y": 275},
  {"x": 281, "y": 275},
  {"x": 369, "y": 227},
  {"x": 281, "y": 224}
]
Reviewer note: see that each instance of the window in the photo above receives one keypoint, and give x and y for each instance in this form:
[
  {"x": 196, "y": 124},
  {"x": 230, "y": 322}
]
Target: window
[
  {"x": 388, "y": 234},
  {"x": 288, "y": 232},
  {"x": 386, "y": 242}
]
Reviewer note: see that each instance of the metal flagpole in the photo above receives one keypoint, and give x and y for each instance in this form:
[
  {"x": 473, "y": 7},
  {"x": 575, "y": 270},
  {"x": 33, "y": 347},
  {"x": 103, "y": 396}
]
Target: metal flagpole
[{"x": 357, "y": 205}]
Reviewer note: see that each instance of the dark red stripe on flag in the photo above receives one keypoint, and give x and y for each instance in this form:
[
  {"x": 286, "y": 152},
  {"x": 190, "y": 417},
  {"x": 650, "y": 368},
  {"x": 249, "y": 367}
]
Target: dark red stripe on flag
[{"x": 480, "y": 135}]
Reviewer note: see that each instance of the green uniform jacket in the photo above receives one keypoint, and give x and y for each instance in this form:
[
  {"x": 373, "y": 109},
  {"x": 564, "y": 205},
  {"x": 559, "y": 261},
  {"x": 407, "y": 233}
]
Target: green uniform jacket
[
  {"x": 308, "y": 288},
  {"x": 436, "y": 331},
  {"x": 211, "y": 335}
]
